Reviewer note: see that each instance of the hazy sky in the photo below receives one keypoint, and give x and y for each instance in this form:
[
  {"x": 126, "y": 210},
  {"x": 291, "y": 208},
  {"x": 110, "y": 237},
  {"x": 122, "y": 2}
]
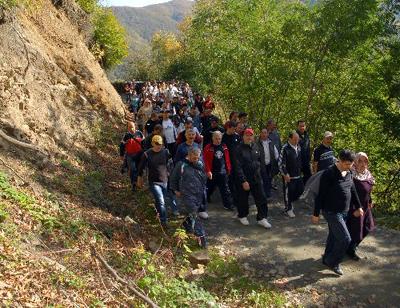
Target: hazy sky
[{"x": 136, "y": 3}]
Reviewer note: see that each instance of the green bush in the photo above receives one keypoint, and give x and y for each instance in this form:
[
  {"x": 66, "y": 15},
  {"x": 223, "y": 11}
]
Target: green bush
[{"x": 110, "y": 37}]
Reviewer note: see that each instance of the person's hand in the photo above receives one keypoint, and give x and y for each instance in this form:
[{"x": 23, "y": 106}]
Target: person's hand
[
  {"x": 209, "y": 175},
  {"x": 286, "y": 178},
  {"x": 314, "y": 219},
  {"x": 139, "y": 182},
  {"x": 358, "y": 213},
  {"x": 178, "y": 193},
  {"x": 246, "y": 186},
  {"x": 370, "y": 206}
]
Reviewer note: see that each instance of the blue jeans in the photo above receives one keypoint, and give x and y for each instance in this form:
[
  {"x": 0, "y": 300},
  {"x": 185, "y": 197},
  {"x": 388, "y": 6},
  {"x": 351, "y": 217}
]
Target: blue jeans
[
  {"x": 159, "y": 192},
  {"x": 338, "y": 239},
  {"x": 131, "y": 161}
]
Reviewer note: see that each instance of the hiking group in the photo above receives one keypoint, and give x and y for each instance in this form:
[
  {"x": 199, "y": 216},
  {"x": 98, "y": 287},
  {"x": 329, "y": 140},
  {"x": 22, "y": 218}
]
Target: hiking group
[{"x": 174, "y": 136}]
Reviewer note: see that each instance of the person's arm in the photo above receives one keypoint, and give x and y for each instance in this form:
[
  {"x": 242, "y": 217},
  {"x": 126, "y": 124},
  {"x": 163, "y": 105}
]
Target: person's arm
[
  {"x": 208, "y": 160},
  {"x": 282, "y": 165},
  {"x": 322, "y": 193},
  {"x": 315, "y": 161},
  {"x": 276, "y": 153},
  {"x": 356, "y": 202},
  {"x": 227, "y": 160},
  {"x": 238, "y": 167},
  {"x": 175, "y": 177}
]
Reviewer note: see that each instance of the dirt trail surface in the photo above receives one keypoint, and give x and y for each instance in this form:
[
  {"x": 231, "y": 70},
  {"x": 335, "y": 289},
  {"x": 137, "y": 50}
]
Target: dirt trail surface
[{"x": 289, "y": 256}]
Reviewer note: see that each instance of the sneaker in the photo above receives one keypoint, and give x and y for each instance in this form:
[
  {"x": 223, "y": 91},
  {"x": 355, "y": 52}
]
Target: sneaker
[
  {"x": 264, "y": 223},
  {"x": 244, "y": 221},
  {"x": 230, "y": 208},
  {"x": 203, "y": 242},
  {"x": 203, "y": 215},
  {"x": 337, "y": 270},
  {"x": 290, "y": 213}
]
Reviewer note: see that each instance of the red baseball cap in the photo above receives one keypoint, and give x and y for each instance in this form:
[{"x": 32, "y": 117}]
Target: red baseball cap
[{"x": 248, "y": 131}]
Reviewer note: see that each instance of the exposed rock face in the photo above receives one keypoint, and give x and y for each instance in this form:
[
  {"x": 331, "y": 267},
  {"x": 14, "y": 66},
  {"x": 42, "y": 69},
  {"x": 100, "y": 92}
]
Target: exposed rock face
[{"x": 53, "y": 93}]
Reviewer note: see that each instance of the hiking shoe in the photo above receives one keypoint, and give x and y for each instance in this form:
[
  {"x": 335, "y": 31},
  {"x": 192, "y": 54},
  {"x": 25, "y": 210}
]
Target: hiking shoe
[
  {"x": 264, "y": 223},
  {"x": 354, "y": 256},
  {"x": 244, "y": 221},
  {"x": 229, "y": 208},
  {"x": 203, "y": 215},
  {"x": 290, "y": 213},
  {"x": 203, "y": 242},
  {"x": 337, "y": 270}
]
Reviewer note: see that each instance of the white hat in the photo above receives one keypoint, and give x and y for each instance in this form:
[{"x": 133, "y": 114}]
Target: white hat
[{"x": 328, "y": 134}]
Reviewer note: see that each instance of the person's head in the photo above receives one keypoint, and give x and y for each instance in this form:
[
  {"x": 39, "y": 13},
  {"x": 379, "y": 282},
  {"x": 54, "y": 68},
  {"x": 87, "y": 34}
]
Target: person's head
[
  {"x": 207, "y": 112},
  {"x": 131, "y": 127},
  {"x": 239, "y": 128},
  {"x": 361, "y": 162},
  {"x": 293, "y": 138},
  {"x": 242, "y": 117},
  {"x": 346, "y": 159},
  {"x": 190, "y": 135},
  {"x": 214, "y": 122},
  {"x": 248, "y": 136},
  {"x": 264, "y": 134},
  {"x": 188, "y": 123},
  {"x": 234, "y": 116},
  {"x": 157, "y": 143},
  {"x": 157, "y": 130},
  {"x": 194, "y": 154},
  {"x": 230, "y": 127},
  {"x": 166, "y": 114},
  {"x": 301, "y": 126},
  {"x": 328, "y": 137},
  {"x": 271, "y": 125},
  {"x": 217, "y": 137},
  {"x": 154, "y": 116}
]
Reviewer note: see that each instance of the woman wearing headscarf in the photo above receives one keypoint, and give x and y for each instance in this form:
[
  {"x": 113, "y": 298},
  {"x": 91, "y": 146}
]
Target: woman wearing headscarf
[
  {"x": 359, "y": 227},
  {"x": 144, "y": 114}
]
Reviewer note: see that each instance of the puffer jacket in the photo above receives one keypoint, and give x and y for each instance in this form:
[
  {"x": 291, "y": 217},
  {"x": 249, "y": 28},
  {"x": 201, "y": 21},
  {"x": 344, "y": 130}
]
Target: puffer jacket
[{"x": 189, "y": 178}]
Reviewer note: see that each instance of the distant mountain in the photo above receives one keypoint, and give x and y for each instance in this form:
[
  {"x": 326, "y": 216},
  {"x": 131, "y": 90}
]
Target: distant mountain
[{"x": 142, "y": 23}]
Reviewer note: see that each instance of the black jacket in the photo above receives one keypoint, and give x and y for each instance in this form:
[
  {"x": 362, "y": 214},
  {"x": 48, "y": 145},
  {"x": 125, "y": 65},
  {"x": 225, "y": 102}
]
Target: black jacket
[
  {"x": 304, "y": 144},
  {"x": 290, "y": 161},
  {"x": 247, "y": 163},
  {"x": 336, "y": 192},
  {"x": 273, "y": 161}
]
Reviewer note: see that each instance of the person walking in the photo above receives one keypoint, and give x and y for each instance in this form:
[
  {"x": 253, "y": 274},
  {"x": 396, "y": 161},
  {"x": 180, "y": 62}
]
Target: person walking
[
  {"x": 248, "y": 179},
  {"x": 169, "y": 131},
  {"x": 207, "y": 134},
  {"x": 304, "y": 143},
  {"x": 269, "y": 160},
  {"x": 336, "y": 192},
  {"x": 156, "y": 160},
  {"x": 359, "y": 227},
  {"x": 188, "y": 181},
  {"x": 131, "y": 150},
  {"x": 290, "y": 168},
  {"x": 323, "y": 154},
  {"x": 218, "y": 167},
  {"x": 182, "y": 149}
]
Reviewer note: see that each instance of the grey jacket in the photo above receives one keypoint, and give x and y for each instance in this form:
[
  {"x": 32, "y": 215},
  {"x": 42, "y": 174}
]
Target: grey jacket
[{"x": 188, "y": 178}]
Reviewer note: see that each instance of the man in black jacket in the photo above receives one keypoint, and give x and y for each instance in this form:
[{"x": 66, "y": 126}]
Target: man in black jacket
[
  {"x": 248, "y": 179},
  {"x": 304, "y": 144},
  {"x": 336, "y": 192},
  {"x": 269, "y": 160},
  {"x": 290, "y": 168}
]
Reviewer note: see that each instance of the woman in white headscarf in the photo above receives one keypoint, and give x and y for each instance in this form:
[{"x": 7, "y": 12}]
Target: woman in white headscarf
[{"x": 359, "y": 227}]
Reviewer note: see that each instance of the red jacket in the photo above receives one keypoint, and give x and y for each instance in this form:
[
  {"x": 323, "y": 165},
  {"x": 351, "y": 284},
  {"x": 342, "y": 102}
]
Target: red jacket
[{"x": 208, "y": 154}]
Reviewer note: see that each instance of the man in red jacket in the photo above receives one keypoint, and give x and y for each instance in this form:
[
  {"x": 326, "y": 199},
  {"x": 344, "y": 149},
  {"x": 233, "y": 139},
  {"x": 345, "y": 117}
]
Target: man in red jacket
[{"x": 218, "y": 167}]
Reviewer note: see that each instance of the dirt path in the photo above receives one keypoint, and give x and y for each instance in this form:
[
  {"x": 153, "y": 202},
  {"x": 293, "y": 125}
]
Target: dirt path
[{"x": 289, "y": 255}]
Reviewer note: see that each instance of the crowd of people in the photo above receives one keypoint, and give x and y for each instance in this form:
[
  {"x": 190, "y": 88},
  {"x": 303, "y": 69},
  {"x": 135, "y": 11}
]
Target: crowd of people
[{"x": 186, "y": 152}]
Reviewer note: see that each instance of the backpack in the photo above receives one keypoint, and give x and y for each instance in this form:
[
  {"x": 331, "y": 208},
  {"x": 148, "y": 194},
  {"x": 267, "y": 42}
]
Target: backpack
[{"x": 133, "y": 146}]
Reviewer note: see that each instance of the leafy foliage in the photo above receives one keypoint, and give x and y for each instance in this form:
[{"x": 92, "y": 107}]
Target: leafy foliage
[{"x": 334, "y": 64}]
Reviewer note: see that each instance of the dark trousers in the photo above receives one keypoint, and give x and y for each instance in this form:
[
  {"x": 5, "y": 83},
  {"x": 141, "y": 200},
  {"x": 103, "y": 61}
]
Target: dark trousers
[
  {"x": 292, "y": 191},
  {"x": 171, "y": 148},
  {"x": 221, "y": 181},
  {"x": 306, "y": 168},
  {"x": 233, "y": 189},
  {"x": 338, "y": 239},
  {"x": 192, "y": 224},
  {"x": 132, "y": 162},
  {"x": 267, "y": 180},
  {"x": 257, "y": 191}
]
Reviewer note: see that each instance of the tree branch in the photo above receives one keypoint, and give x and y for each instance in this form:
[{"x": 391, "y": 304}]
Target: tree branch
[{"x": 139, "y": 294}]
